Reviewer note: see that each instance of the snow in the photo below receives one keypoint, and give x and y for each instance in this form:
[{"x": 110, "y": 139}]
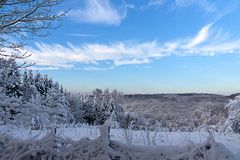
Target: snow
[
  {"x": 151, "y": 142},
  {"x": 33, "y": 107}
]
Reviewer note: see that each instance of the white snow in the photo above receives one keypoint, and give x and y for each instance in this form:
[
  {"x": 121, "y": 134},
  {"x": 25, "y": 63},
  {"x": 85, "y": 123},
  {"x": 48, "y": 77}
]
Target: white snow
[{"x": 127, "y": 138}]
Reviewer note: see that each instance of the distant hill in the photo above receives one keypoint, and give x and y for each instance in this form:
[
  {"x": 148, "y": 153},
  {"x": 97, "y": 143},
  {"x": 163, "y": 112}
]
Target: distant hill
[
  {"x": 180, "y": 110},
  {"x": 232, "y": 96}
]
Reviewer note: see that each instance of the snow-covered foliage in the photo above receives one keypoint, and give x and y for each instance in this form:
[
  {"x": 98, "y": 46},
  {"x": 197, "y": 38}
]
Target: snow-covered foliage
[
  {"x": 98, "y": 108},
  {"x": 53, "y": 146},
  {"x": 34, "y": 100},
  {"x": 29, "y": 100},
  {"x": 178, "y": 112},
  {"x": 9, "y": 78},
  {"x": 133, "y": 120},
  {"x": 232, "y": 123}
]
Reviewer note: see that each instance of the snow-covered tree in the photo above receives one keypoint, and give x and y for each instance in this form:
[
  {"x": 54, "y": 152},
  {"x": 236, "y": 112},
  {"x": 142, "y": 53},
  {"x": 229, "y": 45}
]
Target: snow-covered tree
[
  {"x": 29, "y": 100},
  {"x": 28, "y": 87},
  {"x": 39, "y": 84},
  {"x": 232, "y": 123},
  {"x": 108, "y": 106},
  {"x": 58, "y": 102},
  {"x": 10, "y": 77},
  {"x": 97, "y": 108}
]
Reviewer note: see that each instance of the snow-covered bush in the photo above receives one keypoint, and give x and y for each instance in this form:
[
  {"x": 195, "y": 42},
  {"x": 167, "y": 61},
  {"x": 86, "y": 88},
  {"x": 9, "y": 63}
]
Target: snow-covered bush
[
  {"x": 102, "y": 148},
  {"x": 232, "y": 123},
  {"x": 133, "y": 120}
]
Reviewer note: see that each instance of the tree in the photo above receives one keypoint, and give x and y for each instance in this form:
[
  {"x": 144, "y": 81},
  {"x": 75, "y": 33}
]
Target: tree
[
  {"x": 39, "y": 84},
  {"x": 232, "y": 123},
  {"x": 24, "y": 19},
  {"x": 10, "y": 77},
  {"x": 97, "y": 108}
]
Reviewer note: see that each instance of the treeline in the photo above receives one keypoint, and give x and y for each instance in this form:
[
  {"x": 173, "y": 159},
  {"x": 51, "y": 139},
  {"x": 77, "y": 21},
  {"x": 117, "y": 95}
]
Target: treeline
[
  {"x": 33, "y": 100},
  {"x": 36, "y": 100}
]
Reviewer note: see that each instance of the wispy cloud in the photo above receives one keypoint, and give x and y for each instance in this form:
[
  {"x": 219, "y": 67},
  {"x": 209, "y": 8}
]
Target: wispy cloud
[
  {"x": 218, "y": 9},
  {"x": 101, "y": 11},
  {"x": 80, "y": 35},
  {"x": 208, "y": 41},
  {"x": 42, "y": 68},
  {"x": 120, "y": 53},
  {"x": 156, "y": 2},
  {"x": 202, "y": 35},
  {"x": 93, "y": 68},
  {"x": 203, "y": 4}
]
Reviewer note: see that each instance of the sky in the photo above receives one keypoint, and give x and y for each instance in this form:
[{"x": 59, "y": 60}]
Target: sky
[{"x": 143, "y": 46}]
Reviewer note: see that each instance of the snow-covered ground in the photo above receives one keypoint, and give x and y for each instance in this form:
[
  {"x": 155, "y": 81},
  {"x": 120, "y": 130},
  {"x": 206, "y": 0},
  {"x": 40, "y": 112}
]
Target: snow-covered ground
[{"x": 130, "y": 137}]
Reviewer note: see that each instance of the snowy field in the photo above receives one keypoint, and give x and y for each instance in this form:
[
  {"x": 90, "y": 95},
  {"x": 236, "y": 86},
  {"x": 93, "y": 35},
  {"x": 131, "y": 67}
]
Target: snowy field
[{"x": 138, "y": 138}]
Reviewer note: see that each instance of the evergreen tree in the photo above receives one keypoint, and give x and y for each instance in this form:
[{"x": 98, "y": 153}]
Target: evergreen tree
[
  {"x": 39, "y": 84},
  {"x": 98, "y": 107},
  {"x": 10, "y": 77},
  {"x": 27, "y": 99}
]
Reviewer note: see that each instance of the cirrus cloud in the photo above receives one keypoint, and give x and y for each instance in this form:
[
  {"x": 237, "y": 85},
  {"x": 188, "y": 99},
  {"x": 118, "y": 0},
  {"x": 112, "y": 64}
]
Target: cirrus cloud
[
  {"x": 204, "y": 4},
  {"x": 208, "y": 41},
  {"x": 101, "y": 11}
]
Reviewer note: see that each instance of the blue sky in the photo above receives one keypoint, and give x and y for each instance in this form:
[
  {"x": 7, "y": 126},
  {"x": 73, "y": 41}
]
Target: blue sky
[{"x": 144, "y": 46}]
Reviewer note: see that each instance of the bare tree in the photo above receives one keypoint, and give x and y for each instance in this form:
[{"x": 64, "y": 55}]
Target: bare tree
[{"x": 24, "y": 19}]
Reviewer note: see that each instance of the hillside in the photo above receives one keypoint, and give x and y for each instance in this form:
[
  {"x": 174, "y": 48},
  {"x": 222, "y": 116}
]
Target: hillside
[{"x": 183, "y": 111}]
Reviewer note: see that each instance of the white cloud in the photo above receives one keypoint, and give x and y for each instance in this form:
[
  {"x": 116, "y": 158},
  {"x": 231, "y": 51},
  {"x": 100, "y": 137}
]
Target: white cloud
[
  {"x": 201, "y": 36},
  {"x": 132, "y": 61},
  {"x": 217, "y": 9},
  {"x": 121, "y": 53},
  {"x": 80, "y": 35},
  {"x": 93, "y": 68},
  {"x": 43, "y": 68},
  {"x": 203, "y": 4},
  {"x": 156, "y": 2},
  {"x": 101, "y": 11}
]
